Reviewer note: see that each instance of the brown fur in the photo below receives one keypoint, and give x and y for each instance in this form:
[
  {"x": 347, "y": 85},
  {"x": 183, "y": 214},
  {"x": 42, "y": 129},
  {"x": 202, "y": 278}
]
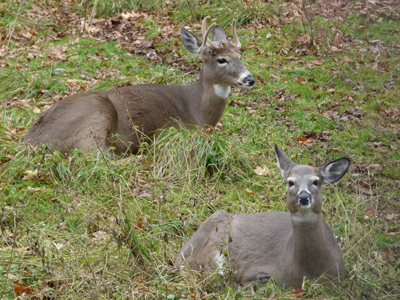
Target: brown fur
[{"x": 119, "y": 118}]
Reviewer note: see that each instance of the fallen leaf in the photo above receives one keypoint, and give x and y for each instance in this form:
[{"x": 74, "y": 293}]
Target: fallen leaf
[
  {"x": 33, "y": 190},
  {"x": 390, "y": 216},
  {"x": 143, "y": 194},
  {"x": 20, "y": 288},
  {"x": 304, "y": 39},
  {"x": 58, "y": 50},
  {"x": 337, "y": 42},
  {"x": 29, "y": 175},
  {"x": 272, "y": 76},
  {"x": 10, "y": 276},
  {"x": 8, "y": 136},
  {"x": 262, "y": 170},
  {"x": 335, "y": 49},
  {"x": 59, "y": 245},
  {"x": 393, "y": 233},
  {"x": 369, "y": 212},
  {"x": 302, "y": 139},
  {"x": 37, "y": 216},
  {"x": 100, "y": 236},
  {"x": 130, "y": 15},
  {"x": 62, "y": 225},
  {"x": 251, "y": 192},
  {"x": 36, "y": 110},
  {"x": 377, "y": 255},
  {"x": 208, "y": 130},
  {"x": 70, "y": 83},
  {"x": 318, "y": 62},
  {"x": 296, "y": 292},
  {"x": 301, "y": 80}
]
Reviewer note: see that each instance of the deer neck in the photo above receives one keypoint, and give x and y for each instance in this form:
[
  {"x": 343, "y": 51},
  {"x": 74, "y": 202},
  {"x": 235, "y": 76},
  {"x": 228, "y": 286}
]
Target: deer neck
[
  {"x": 309, "y": 242},
  {"x": 211, "y": 105}
]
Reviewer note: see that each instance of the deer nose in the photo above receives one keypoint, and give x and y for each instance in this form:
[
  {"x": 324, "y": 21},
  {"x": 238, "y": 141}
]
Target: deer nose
[
  {"x": 249, "y": 80},
  {"x": 304, "y": 198}
]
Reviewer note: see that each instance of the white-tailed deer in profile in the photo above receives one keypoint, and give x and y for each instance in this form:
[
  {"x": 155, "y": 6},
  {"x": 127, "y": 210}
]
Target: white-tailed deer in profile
[
  {"x": 283, "y": 245},
  {"x": 118, "y": 118}
]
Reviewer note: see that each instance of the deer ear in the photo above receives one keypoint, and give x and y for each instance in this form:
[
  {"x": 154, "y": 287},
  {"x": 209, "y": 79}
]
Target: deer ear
[
  {"x": 191, "y": 42},
  {"x": 283, "y": 161},
  {"x": 335, "y": 170},
  {"x": 218, "y": 34}
]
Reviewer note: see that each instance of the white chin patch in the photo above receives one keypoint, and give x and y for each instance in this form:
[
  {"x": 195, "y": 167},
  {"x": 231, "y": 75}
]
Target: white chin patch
[
  {"x": 220, "y": 260},
  {"x": 222, "y": 91},
  {"x": 246, "y": 87},
  {"x": 302, "y": 217}
]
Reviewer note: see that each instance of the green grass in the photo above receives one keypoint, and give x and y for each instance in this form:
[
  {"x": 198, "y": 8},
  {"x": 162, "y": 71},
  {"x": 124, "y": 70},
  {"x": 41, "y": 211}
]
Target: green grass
[{"x": 110, "y": 228}]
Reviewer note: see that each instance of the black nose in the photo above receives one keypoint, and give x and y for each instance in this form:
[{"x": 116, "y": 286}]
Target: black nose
[
  {"x": 304, "y": 198},
  {"x": 249, "y": 80}
]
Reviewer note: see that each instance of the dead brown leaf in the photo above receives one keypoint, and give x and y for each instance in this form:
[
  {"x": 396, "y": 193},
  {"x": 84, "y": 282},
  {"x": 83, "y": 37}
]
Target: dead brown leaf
[
  {"x": 29, "y": 175},
  {"x": 262, "y": 170},
  {"x": 33, "y": 190},
  {"x": 338, "y": 43},
  {"x": 301, "y": 80},
  {"x": 10, "y": 276},
  {"x": 318, "y": 62},
  {"x": 390, "y": 216},
  {"x": 131, "y": 15},
  {"x": 36, "y": 110},
  {"x": 100, "y": 236},
  {"x": 251, "y": 192},
  {"x": 369, "y": 212},
  {"x": 304, "y": 39}
]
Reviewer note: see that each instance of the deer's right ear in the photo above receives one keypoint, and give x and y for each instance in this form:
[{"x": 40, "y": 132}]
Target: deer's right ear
[
  {"x": 218, "y": 34},
  {"x": 283, "y": 161},
  {"x": 191, "y": 42}
]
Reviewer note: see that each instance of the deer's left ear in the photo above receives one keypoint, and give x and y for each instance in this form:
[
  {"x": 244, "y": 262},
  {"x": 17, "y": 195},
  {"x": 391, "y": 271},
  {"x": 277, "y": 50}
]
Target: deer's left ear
[
  {"x": 191, "y": 42},
  {"x": 335, "y": 170}
]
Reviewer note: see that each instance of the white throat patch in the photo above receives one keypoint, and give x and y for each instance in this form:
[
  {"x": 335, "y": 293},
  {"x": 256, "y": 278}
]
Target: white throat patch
[
  {"x": 304, "y": 217},
  {"x": 220, "y": 260},
  {"x": 222, "y": 91}
]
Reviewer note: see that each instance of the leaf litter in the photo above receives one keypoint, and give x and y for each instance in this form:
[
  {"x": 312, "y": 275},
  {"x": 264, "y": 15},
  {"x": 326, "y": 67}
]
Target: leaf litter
[{"x": 128, "y": 30}]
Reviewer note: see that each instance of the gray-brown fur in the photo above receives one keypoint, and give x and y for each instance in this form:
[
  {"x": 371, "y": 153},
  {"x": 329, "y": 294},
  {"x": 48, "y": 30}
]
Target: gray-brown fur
[
  {"x": 284, "y": 245},
  {"x": 95, "y": 120}
]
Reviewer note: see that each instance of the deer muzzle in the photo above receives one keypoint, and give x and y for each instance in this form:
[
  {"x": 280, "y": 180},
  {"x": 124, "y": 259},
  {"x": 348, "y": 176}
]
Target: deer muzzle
[
  {"x": 246, "y": 81},
  {"x": 304, "y": 198}
]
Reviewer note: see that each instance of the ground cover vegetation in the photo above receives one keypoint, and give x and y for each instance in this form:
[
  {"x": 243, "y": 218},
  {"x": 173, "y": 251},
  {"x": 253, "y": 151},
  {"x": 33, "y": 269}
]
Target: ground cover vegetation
[{"x": 98, "y": 227}]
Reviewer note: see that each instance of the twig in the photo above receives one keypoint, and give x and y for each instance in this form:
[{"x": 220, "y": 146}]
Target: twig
[
  {"x": 93, "y": 13},
  {"x": 13, "y": 25},
  {"x": 12, "y": 253}
]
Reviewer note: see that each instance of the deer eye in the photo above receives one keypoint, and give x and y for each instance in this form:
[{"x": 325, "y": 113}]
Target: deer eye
[
  {"x": 222, "y": 61},
  {"x": 290, "y": 183},
  {"x": 315, "y": 182}
]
